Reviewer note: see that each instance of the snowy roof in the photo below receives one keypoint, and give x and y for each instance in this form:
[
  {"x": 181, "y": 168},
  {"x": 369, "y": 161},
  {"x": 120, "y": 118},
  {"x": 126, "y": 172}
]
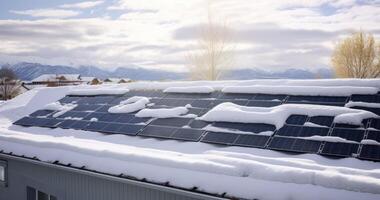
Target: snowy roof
[
  {"x": 87, "y": 78},
  {"x": 53, "y": 77},
  {"x": 116, "y": 80},
  {"x": 236, "y": 171}
]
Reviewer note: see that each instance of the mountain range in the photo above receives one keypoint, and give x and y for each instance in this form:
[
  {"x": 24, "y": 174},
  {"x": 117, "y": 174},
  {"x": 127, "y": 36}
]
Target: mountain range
[{"x": 29, "y": 71}]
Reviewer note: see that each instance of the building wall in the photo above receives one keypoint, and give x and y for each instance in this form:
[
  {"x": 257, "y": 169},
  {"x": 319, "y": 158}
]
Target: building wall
[{"x": 66, "y": 185}]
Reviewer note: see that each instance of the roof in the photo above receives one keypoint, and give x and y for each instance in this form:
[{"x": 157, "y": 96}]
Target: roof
[
  {"x": 228, "y": 155},
  {"x": 87, "y": 78},
  {"x": 116, "y": 80},
  {"x": 53, "y": 77}
]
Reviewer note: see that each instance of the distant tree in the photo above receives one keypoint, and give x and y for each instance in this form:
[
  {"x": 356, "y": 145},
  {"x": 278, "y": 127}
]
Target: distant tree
[
  {"x": 357, "y": 57},
  {"x": 214, "y": 54},
  {"x": 9, "y": 85}
]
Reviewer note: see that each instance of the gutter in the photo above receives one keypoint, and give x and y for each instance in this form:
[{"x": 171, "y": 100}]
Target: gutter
[{"x": 121, "y": 179}]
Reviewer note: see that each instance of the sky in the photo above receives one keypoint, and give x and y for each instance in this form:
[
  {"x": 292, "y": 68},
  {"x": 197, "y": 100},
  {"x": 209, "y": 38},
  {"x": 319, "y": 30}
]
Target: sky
[{"x": 158, "y": 34}]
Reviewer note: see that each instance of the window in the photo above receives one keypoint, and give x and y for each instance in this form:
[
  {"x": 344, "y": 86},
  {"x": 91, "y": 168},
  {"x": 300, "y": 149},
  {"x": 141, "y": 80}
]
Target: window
[
  {"x": 33, "y": 194},
  {"x": 3, "y": 173}
]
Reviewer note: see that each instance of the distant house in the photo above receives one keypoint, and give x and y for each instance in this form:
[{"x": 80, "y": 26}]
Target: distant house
[
  {"x": 116, "y": 80},
  {"x": 53, "y": 80},
  {"x": 90, "y": 80}
]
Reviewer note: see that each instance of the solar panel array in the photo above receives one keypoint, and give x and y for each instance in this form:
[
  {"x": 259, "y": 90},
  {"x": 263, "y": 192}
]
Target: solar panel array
[{"x": 297, "y": 135}]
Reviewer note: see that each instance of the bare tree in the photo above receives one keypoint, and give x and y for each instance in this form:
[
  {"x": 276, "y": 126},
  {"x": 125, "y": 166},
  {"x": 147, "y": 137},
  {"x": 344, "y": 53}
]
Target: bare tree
[
  {"x": 357, "y": 57},
  {"x": 9, "y": 85},
  {"x": 214, "y": 54}
]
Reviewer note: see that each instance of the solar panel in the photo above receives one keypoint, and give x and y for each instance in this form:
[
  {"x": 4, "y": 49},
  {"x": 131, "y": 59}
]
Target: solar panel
[
  {"x": 93, "y": 115},
  {"x": 251, "y": 140},
  {"x": 157, "y": 131},
  {"x": 349, "y": 134},
  {"x": 112, "y": 128},
  {"x": 139, "y": 120},
  {"x": 100, "y": 100},
  {"x": 199, "y": 124},
  {"x": 40, "y": 121},
  {"x": 130, "y": 129},
  {"x": 187, "y": 134},
  {"x": 375, "y": 123},
  {"x": 25, "y": 121},
  {"x": 124, "y": 118},
  {"x": 299, "y": 131},
  {"x": 322, "y": 120},
  {"x": 174, "y": 102},
  {"x": 352, "y": 126},
  {"x": 288, "y": 130},
  {"x": 260, "y": 103},
  {"x": 96, "y": 126},
  {"x": 296, "y": 119},
  {"x": 41, "y": 113},
  {"x": 238, "y": 102},
  {"x": 235, "y": 96},
  {"x": 85, "y": 108},
  {"x": 270, "y": 97},
  {"x": 373, "y": 110},
  {"x": 202, "y": 103},
  {"x": 52, "y": 123},
  {"x": 339, "y": 149},
  {"x": 373, "y": 135},
  {"x": 320, "y": 99},
  {"x": 69, "y": 99},
  {"x": 104, "y": 108},
  {"x": 197, "y": 111},
  {"x": 79, "y": 125},
  {"x": 294, "y": 145},
  {"x": 66, "y": 124},
  {"x": 73, "y": 114},
  {"x": 109, "y": 117},
  {"x": 246, "y": 127},
  {"x": 173, "y": 122},
  {"x": 366, "y": 98},
  {"x": 370, "y": 152},
  {"x": 219, "y": 138}
]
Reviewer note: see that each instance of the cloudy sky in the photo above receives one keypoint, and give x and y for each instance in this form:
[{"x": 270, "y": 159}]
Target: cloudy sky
[{"x": 269, "y": 34}]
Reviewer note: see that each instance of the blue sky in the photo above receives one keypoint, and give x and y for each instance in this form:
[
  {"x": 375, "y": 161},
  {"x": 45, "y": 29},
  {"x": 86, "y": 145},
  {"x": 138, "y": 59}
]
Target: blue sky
[{"x": 267, "y": 34}]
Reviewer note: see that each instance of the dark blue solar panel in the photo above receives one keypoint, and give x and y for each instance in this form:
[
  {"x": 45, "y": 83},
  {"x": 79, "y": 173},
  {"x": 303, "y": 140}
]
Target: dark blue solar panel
[
  {"x": 52, "y": 123},
  {"x": 66, "y": 124},
  {"x": 96, "y": 126},
  {"x": 366, "y": 98},
  {"x": 321, "y": 99},
  {"x": 198, "y": 124},
  {"x": 340, "y": 125},
  {"x": 69, "y": 99},
  {"x": 130, "y": 129},
  {"x": 124, "y": 118},
  {"x": 197, "y": 111},
  {"x": 187, "y": 134},
  {"x": 294, "y": 145},
  {"x": 174, "y": 102},
  {"x": 158, "y": 131},
  {"x": 40, "y": 121},
  {"x": 109, "y": 117},
  {"x": 252, "y": 127},
  {"x": 93, "y": 115},
  {"x": 41, "y": 113},
  {"x": 79, "y": 125},
  {"x": 140, "y": 120},
  {"x": 370, "y": 152},
  {"x": 263, "y": 103},
  {"x": 322, "y": 120},
  {"x": 349, "y": 134},
  {"x": 104, "y": 108},
  {"x": 145, "y": 93},
  {"x": 373, "y": 110},
  {"x": 84, "y": 108},
  {"x": 296, "y": 119},
  {"x": 202, "y": 103},
  {"x": 375, "y": 123},
  {"x": 219, "y": 138},
  {"x": 373, "y": 135},
  {"x": 238, "y": 102},
  {"x": 74, "y": 114},
  {"x": 112, "y": 128},
  {"x": 100, "y": 100},
  {"x": 174, "y": 122},
  {"x": 299, "y": 131},
  {"x": 251, "y": 140},
  {"x": 25, "y": 121},
  {"x": 235, "y": 96},
  {"x": 340, "y": 149},
  {"x": 270, "y": 97}
]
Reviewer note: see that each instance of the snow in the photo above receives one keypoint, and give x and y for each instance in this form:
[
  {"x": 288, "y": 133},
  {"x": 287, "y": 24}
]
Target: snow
[
  {"x": 370, "y": 142},
  {"x": 229, "y": 112},
  {"x": 362, "y": 104},
  {"x": 248, "y": 173},
  {"x": 301, "y": 90},
  {"x": 92, "y": 91},
  {"x": 57, "y": 106},
  {"x": 311, "y": 124},
  {"x": 190, "y": 89},
  {"x": 328, "y": 139},
  {"x": 55, "y": 77},
  {"x": 163, "y": 112},
  {"x": 226, "y": 130},
  {"x": 130, "y": 105}
]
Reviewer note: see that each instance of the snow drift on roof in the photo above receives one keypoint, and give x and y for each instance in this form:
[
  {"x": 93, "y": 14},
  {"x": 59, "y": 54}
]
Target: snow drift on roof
[
  {"x": 162, "y": 112},
  {"x": 98, "y": 91},
  {"x": 229, "y": 112},
  {"x": 301, "y": 90},
  {"x": 190, "y": 89},
  {"x": 362, "y": 104},
  {"x": 132, "y": 104},
  {"x": 57, "y": 106}
]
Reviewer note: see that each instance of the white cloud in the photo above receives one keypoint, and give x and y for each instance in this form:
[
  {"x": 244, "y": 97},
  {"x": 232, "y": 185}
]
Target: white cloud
[
  {"x": 48, "y": 13},
  {"x": 82, "y": 5}
]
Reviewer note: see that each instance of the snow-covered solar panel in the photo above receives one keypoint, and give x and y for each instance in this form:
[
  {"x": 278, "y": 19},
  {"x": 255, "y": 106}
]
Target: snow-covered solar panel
[{"x": 91, "y": 114}]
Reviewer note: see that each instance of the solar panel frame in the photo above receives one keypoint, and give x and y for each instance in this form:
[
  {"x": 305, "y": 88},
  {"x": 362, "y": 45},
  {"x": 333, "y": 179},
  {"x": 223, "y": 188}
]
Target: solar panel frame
[
  {"x": 370, "y": 152},
  {"x": 295, "y": 145},
  {"x": 339, "y": 149},
  {"x": 187, "y": 134},
  {"x": 157, "y": 131},
  {"x": 349, "y": 134},
  {"x": 251, "y": 140}
]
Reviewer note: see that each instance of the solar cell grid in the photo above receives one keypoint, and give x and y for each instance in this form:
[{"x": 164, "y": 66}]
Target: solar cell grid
[
  {"x": 173, "y": 122},
  {"x": 251, "y": 140},
  {"x": 52, "y": 123},
  {"x": 234, "y": 96},
  {"x": 247, "y": 127},
  {"x": 187, "y": 134},
  {"x": 96, "y": 126},
  {"x": 373, "y": 110},
  {"x": 349, "y": 134},
  {"x": 294, "y": 145},
  {"x": 66, "y": 124},
  {"x": 158, "y": 131},
  {"x": 219, "y": 138},
  {"x": 339, "y": 149},
  {"x": 130, "y": 129},
  {"x": 370, "y": 152},
  {"x": 322, "y": 99},
  {"x": 41, "y": 113},
  {"x": 322, "y": 120},
  {"x": 366, "y": 98},
  {"x": 25, "y": 121},
  {"x": 238, "y": 102},
  {"x": 260, "y": 103},
  {"x": 373, "y": 135},
  {"x": 375, "y": 123},
  {"x": 85, "y": 108},
  {"x": 269, "y": 97},
  {"x": 296, "y": 119},
  {"x": 198, "y": 124}
]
